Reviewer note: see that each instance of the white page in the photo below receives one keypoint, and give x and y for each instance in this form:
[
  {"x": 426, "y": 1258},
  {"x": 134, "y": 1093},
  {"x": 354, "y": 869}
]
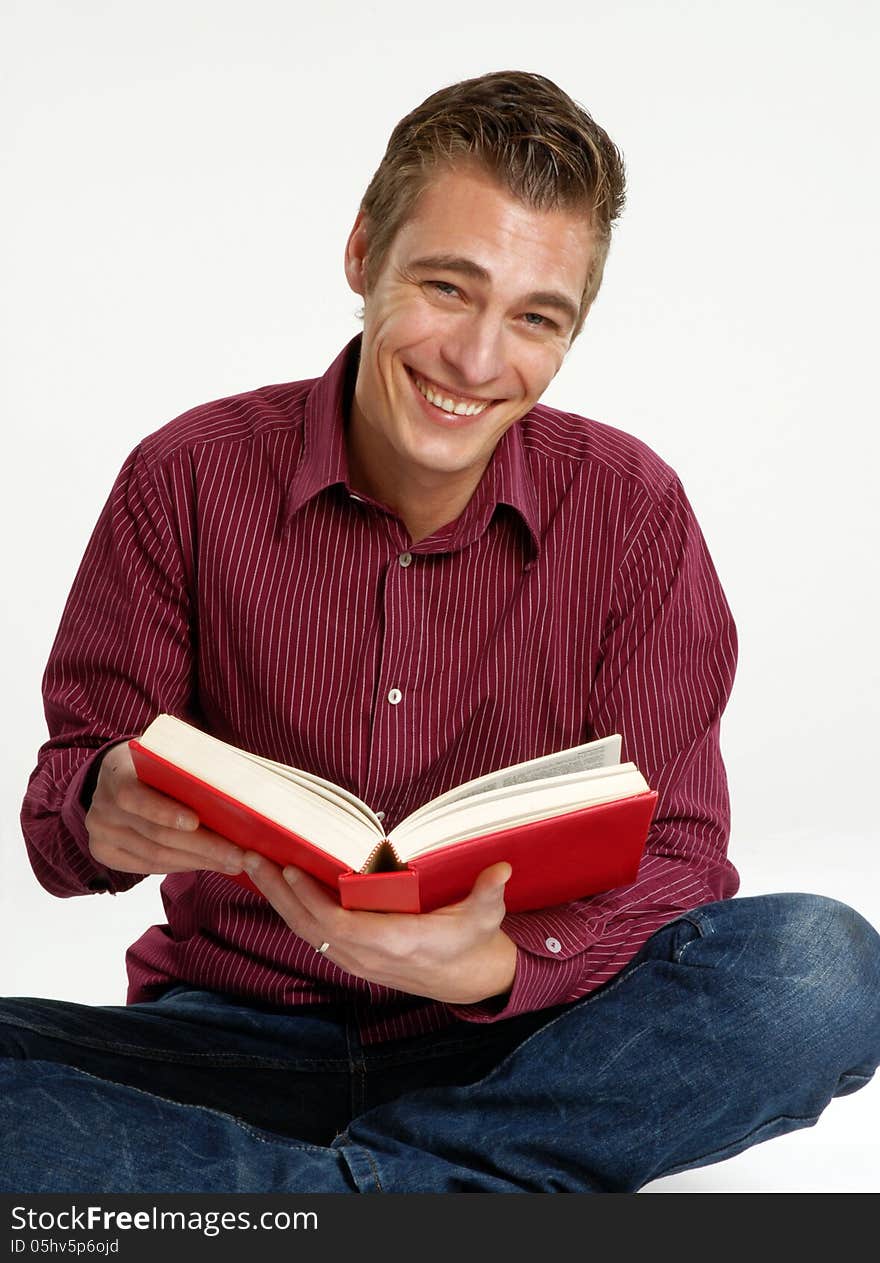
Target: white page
[
  {"x": 325, "y": 821},
  {"x": 326, "y": 789},
  {"x": 501, "y": 808},
  {"x": 601, "y": 753}
]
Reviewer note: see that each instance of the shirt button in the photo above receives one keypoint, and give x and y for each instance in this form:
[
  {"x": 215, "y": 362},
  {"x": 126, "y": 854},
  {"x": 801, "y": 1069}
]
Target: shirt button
[
  {"x": 394, "y": 696},
  {"x": 553, "y": 944},
  {"x": 380, "y": 815},
  {"x": 405, "y": 559}
]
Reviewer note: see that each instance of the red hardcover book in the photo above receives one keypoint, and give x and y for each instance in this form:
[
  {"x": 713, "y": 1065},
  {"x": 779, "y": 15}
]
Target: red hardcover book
[{"x": 570, "y": 824}]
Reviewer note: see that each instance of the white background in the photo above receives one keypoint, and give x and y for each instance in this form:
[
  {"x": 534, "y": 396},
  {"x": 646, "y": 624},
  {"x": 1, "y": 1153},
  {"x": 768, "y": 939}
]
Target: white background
[{"x": 180, "y": 181}]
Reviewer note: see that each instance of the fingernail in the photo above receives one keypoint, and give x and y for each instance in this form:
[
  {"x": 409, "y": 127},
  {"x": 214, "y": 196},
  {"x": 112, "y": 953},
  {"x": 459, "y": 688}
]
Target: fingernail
[
  {"x": 291, "y": 876},
  {"x": 185, "y": 821},
  {"x": 250, "y": 863}
]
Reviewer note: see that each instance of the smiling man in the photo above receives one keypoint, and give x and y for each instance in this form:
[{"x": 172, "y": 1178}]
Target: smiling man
[
  {"x": 468, "y": 322},
  {"x": 399, "y": 575}
]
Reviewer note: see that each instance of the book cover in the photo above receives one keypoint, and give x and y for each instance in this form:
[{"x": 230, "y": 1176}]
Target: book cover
[{"x": 554, "y": 860}]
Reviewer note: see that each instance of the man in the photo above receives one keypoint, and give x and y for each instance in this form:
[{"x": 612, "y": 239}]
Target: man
[{"x": 401, "y": 575}]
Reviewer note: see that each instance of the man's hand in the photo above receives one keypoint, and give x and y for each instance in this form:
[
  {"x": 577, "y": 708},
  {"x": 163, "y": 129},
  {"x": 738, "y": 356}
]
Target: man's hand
[
  {"x": 458, "y": 954},
  {"x": 135, "y": 829}
]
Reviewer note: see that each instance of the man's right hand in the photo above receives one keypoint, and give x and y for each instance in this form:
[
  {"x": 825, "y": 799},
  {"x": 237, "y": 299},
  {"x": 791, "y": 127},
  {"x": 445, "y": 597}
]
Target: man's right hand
[{"x": 135, "y": 829}]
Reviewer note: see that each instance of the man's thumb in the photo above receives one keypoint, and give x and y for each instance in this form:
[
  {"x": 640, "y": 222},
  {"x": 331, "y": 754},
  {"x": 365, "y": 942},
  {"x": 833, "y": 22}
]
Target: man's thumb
[{"x": 492, "y": 880}]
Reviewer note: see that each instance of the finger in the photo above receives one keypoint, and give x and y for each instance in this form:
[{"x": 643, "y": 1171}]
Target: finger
[
  {"x": 490, "y": 883},
  {"x": 119, "y": 786},
  {"x": 361, "y": 940},
  {"x": 128, "y": 851},
  {"x": 212, "y": 850},
  {"x": 311, "y": 893},
  {"x": 148, "y": 804},
  {"x": 268, "y": 879}
]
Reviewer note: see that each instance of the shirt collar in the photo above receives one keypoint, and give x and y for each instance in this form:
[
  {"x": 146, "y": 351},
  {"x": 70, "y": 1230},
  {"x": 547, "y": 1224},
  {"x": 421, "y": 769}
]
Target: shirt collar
[{"x": 324, "y": 462}]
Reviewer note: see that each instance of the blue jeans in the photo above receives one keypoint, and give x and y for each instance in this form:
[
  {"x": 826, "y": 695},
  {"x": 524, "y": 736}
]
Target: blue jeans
[{"x": 737, "y": 1022}]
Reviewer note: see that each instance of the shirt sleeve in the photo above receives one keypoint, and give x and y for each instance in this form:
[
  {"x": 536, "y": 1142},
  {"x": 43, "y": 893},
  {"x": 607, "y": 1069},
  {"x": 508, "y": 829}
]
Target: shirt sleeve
[
  {"x": 122, "y": 654},
  {"x": 664, "y": 675}
]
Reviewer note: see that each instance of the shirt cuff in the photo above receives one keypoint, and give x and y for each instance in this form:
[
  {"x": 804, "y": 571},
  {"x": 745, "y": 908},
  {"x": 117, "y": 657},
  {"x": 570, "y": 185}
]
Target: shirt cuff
[
  {"x": 77, "y": 800},
  {"x": 549, "y": 947}
]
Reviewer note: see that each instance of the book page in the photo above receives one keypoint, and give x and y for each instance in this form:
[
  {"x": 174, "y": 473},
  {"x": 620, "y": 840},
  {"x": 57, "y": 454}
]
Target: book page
[
  {"x": 327, "y": 789},
  {"x": 602, "y": 753},
  {"x": 504, "y": 808},
  {"x": 326, "y": 819}
]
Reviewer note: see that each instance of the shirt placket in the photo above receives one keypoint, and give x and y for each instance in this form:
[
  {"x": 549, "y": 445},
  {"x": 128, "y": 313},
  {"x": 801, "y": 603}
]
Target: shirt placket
[{"x": 395, "y": 743}]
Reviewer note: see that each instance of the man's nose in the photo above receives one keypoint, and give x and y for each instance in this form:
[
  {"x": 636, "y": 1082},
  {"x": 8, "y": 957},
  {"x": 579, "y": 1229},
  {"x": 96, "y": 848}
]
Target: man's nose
[{"x": 474, "y": 351}]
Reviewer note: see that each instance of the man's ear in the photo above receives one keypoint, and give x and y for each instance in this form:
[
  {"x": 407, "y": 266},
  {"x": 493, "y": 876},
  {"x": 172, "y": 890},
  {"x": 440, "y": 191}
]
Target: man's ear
[{"x": 356, "y": 256}]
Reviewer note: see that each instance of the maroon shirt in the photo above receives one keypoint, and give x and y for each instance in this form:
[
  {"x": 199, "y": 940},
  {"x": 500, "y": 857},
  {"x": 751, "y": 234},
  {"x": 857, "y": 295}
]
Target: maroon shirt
[{"x": 234, "y": 579}]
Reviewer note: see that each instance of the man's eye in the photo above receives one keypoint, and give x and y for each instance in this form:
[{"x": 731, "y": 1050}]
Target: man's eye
[
  {"x": 532, "y": 316},
  {"x": 443, "y": 287}
]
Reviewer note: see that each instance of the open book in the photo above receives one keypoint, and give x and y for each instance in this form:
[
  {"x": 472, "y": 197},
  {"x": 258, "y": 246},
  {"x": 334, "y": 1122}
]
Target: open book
[{"x": 572, "y": 823}]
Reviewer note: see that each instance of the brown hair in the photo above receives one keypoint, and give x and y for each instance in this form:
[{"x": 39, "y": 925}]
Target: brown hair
[{"x": 542, "y": 146}]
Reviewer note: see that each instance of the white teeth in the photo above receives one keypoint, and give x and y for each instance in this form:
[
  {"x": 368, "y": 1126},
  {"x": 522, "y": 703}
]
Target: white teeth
[{"x": 441, "y": 401}]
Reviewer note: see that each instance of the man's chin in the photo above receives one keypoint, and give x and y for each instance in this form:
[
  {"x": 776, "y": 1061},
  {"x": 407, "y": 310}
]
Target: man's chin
[{"x": 435, "y": 462}]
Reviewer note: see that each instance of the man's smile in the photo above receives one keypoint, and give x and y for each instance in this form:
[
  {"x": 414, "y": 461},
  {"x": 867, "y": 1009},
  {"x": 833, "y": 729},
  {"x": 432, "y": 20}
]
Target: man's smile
[{"x": 445, "y": 399}]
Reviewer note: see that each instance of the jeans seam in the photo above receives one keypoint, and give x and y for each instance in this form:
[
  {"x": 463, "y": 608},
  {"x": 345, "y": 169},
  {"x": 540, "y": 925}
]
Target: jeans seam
[
  {"x": 356, "y": 1069},
  {"x": 704, "y": 929},
  {"x": 452, "y": 1048},
  {"x": 375, "y": 1060},
  {"x": 353, "y": 1156},
  {"x": 182, "y": 1058},
  {"x": 375, "y": 1171}
]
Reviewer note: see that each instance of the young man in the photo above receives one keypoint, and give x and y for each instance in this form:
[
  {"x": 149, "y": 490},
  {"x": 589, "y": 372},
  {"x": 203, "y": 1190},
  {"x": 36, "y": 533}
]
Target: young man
[{"x": 400, "y": 575}]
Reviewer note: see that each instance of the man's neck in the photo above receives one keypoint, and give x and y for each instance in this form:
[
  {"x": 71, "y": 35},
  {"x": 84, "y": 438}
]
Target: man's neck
[
  {"x": 424, "y": 501},
  {"x": 423, "y": 506}
]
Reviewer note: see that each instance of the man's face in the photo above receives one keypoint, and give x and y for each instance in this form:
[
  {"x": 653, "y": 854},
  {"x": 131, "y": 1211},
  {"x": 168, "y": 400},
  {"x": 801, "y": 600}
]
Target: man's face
[{"x": 476, "y": 303}]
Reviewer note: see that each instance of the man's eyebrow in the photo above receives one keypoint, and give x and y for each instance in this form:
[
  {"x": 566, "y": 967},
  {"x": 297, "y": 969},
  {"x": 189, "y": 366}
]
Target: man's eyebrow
[
  {"x": 452, "y": 263},
  {"x": 553, "y": 298},
  {"x": 467, "y": 267}
]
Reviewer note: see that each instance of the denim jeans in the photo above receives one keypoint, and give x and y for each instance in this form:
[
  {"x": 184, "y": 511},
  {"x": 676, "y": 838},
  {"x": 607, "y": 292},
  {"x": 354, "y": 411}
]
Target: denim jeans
[{"x": 737, "y": 1022}]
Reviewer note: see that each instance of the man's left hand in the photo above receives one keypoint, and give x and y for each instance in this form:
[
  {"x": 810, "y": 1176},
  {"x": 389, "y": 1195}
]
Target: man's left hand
[{"x": 458, "y": 954}]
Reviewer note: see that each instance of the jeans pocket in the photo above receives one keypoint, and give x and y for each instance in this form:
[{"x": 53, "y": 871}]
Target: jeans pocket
[{"x": 691, "y": 928}]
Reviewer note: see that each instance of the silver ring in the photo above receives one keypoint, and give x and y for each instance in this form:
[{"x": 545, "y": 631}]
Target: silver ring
[{"x": 322, "y": 949}]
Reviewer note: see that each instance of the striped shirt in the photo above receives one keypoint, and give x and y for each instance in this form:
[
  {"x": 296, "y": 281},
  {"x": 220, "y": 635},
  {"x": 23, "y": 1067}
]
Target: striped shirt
[{"x": 234, "y": 579}]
